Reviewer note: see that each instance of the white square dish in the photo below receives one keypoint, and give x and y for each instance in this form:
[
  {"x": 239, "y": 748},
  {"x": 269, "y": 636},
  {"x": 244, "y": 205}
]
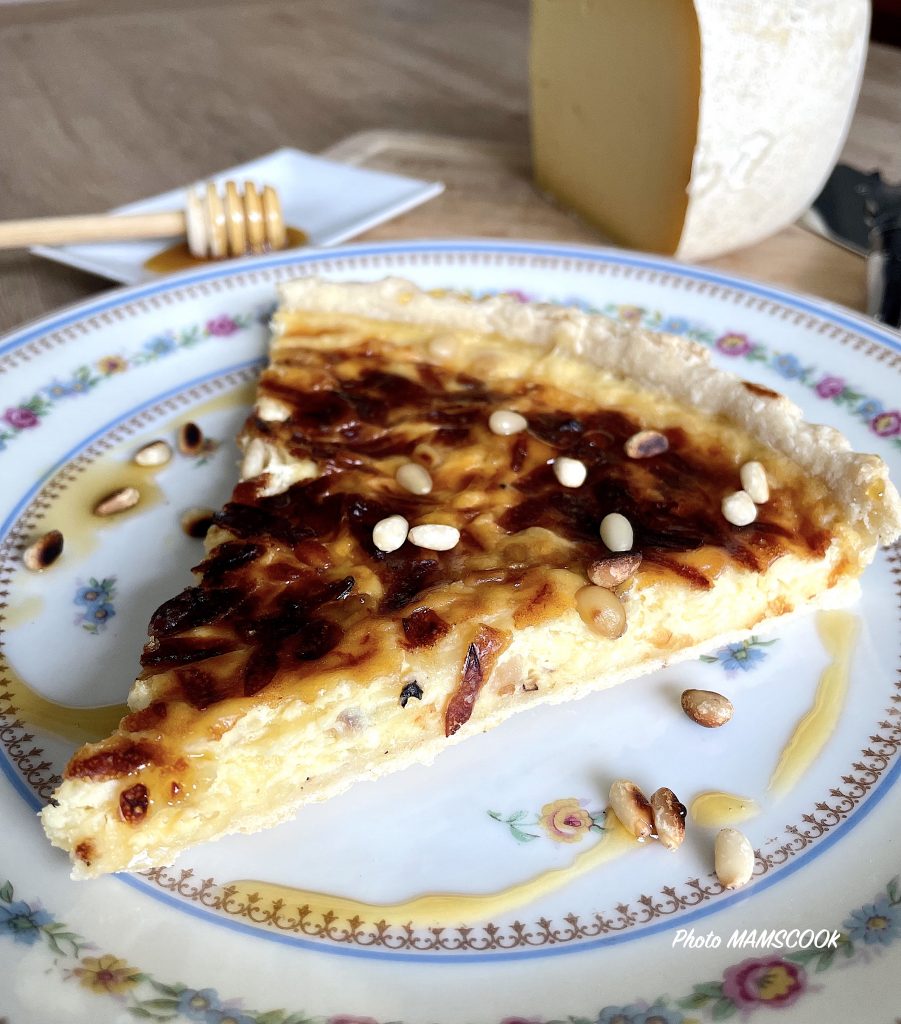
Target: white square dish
[{"x": 329, "y": 201}]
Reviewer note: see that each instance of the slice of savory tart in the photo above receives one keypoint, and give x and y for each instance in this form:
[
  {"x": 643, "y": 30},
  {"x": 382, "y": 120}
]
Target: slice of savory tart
[{"x": 450, "y": 511}]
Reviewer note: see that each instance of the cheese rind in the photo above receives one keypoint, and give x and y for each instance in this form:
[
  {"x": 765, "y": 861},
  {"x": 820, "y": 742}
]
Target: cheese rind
[{"x": 692, "y": 128}]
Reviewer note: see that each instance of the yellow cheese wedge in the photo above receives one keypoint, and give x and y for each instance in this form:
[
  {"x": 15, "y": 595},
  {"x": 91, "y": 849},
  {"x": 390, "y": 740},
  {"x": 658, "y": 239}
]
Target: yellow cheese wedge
[{"x": 692, "y": 127}]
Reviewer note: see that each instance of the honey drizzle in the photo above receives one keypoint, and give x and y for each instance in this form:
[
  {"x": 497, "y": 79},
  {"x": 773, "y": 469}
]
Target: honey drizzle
[
  {"x": 838, "y": 630},
  {"x": 713, "y": 809},
  {"x": 71, "y": 511},
  {"x": 445, "y": 909}
]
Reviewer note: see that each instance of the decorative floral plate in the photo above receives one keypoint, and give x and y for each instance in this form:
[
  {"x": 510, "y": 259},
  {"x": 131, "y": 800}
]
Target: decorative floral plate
[{"x": 487, "y": 887}]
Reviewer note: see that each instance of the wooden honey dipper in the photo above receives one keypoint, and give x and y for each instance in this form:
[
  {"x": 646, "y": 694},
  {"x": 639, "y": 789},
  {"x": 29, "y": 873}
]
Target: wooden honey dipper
[{"x": 216, "y": 226}]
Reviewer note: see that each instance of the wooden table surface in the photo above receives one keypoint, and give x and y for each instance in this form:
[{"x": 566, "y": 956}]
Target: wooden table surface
[{"x": 105, "y": 103}]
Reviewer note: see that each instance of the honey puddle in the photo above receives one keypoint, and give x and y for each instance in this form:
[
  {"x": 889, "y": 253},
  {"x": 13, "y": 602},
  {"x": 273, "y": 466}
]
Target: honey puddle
[
  {"x": 22, "y": 612},
  {"x": 838, "y": 632},
  {"x": 71, "y": 512},
  {"x": 714, "y": 809},
  {"x": 445, "y": 909},
  {"x": 178, "y": 256},
  {"x": 79, "y": 725},
  {"x": 242, "y": 395}
]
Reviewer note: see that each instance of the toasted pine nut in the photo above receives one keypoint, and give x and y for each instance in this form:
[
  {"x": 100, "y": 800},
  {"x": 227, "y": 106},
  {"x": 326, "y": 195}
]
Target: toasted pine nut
[
  {"x": 669, "y": 818},
  {"x": 733, "y": 858},
  {"x": 272, "y": 410},
  {"x": 389, "y": 534},
  {"x": 256, "y": 455},
  {"x": 754, "y": 482},
  {"x": 630, "y": 805},
  {"x": 613, "y": 571},
  {"x": 739, "y": 509},
  {"x": 190, "y": 438},
  {"x": 117, "y": 501},
  {"x": 156, "y": 453},
  {"x": 43, "y": 552},
  {"x": 601, "y": 611},
  {"x": 646, "y": 444},
  {"x": 414, "y": 478},
  {"x": 616, "y": 532},
  {"x": 707, "y": 707},
  {"x": 196, "y": 522},
  {"x": 506, "y": 422},
  {"x": 435, "y": 536},
  {"x": 570, "y": 472}
]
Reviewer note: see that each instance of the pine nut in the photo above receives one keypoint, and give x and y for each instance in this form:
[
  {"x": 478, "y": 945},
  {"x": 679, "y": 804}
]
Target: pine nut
[
  {"x": 117, "y": 501},
  {"x": 256, "y": 455},
  {"x": 389, "y": 534},
  {"x": 414, "y": 478},
  {"x": 630, "y": 805},
  {"x": 190, "y": 439},
  {"x": 601, "y": 611},
  {"x": 646, "y": 444},
  {"x": 669, "y": 818},
  {"x": 272, "y": 410},
  {"x": 435, "y": 536},
  {"x": 43, "y": 552},
  {"x": 616, "y": 532},
  {"x": 733, "y": 858},
  {"x": 754, "y": 482},
  {"x": 707, "y": 707},
  {"x": 613, "y": 571},
  {"x": 739, "y": 509},
  {"x": 156, "y": 453},
  {"x": 506, "y": 422},
  {"x": 196, "y": 522},
  {"x": 570, "y": 472}
]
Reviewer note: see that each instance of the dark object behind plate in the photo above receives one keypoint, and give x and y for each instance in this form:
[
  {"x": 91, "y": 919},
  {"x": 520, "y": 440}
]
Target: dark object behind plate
[{"x": 863, "y": 213}]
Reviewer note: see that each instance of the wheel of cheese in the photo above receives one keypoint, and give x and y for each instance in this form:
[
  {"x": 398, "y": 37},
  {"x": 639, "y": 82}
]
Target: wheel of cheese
[{"x": 692, "y": 127}]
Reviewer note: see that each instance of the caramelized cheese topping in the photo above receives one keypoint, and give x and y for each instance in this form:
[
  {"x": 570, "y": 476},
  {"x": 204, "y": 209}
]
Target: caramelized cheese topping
[{"x": 298, "y": 589}]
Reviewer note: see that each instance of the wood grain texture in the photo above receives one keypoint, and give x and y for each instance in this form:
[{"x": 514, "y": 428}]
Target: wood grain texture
[{"x": 105, "y": 103}]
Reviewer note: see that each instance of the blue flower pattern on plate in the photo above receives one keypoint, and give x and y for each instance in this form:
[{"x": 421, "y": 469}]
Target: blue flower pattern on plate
[
  {"x": 23, "y": 922},
  {"x": 788, "y": 366},
  {"x": 97, "y": 600},
  {"x": 162, "y": 345},
  {"x": 869, "y": 408},
  {"x": 741, "y": 657},
  {"x": 198, "y": 1004},
  {"x": 877, "y": 923}
]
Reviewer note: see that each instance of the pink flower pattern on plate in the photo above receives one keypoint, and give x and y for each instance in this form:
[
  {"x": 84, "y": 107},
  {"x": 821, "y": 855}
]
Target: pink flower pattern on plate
[
  {"x": 733, "y": 344},
  {"x": 829, "y": 387},
  {"x": 221, "y": 326},
  {"x": 768, "y": 981},
  {"x": 20, "y": 418},
  {"x": 887, "y": 424}
]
